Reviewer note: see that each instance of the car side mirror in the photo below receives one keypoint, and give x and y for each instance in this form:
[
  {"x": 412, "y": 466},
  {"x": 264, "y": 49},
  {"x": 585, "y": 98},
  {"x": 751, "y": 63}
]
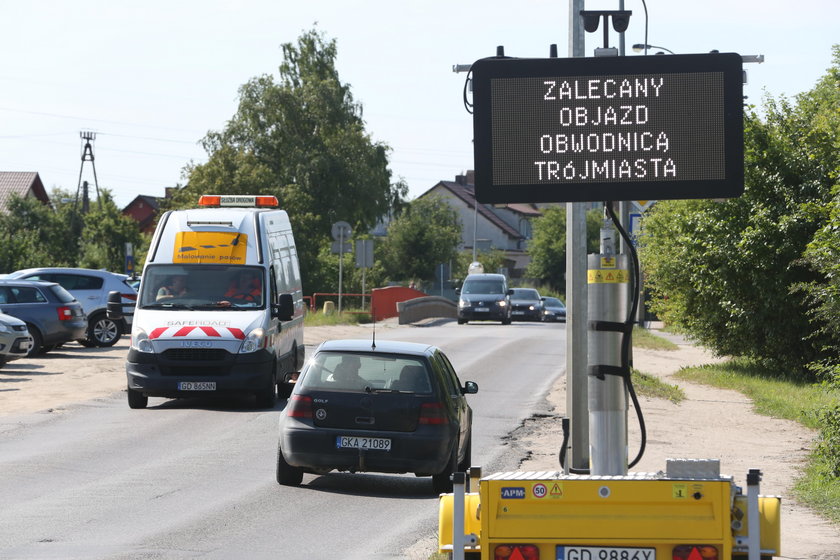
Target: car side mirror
[
  {"x": 114, "y": 309},
  {"x": 457, "y": 291},
  {"x": 284, "y": 309},
  {"x": 510, "y": 292},
  {"x": 470, "y": 388}
]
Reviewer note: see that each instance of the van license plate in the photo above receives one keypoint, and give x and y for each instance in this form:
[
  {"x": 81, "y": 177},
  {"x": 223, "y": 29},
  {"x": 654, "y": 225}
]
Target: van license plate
[
  {"x": 482, "y": 309},
  {"x": 604, "y": 552},
  {"x": 197, "y": 386},
  {"x": 353, "y": 442}
]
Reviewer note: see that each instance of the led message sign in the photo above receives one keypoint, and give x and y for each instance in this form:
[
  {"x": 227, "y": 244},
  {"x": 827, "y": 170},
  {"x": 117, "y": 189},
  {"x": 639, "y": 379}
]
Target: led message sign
[{"x": 620, "y": 128}]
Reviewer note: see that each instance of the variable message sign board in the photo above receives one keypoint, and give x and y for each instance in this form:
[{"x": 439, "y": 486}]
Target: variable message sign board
[{"x": 614, "y": 128}]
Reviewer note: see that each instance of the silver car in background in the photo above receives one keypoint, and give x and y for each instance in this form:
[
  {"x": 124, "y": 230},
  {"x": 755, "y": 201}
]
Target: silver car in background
[{"x": 15, "y": 340}]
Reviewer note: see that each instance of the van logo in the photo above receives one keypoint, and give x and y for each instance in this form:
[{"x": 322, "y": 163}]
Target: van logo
[{"x": 196, "y": 344}]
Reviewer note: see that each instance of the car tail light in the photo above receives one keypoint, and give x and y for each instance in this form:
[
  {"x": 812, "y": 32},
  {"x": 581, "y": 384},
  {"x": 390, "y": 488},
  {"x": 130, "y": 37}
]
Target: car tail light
[
  {"x": 433, "y": 413},
  {"x": 64, "y": 313},
  {"x": 132, "y": 297},
  {"x": 300, "y": 407},
  {"x": 695, "y": 552},
  {"x": 516, "y": 552}
]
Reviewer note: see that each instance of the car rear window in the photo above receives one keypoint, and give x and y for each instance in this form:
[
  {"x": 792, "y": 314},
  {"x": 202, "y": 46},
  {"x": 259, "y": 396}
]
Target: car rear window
[
  {"x": 335, "y": 371},
  {"x": 63, "y": 295}
]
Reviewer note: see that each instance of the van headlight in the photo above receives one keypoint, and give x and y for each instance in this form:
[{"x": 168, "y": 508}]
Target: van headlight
[
  {"x": 463, "y": 303},
  {"x": 140, "y": 342},
  {"x": 253, "y": 342}
]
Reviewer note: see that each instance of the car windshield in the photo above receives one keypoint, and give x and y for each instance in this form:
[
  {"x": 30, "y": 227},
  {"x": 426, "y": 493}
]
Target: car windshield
[
  {"x": 482, "y": 287},
  {"x": 353, "y": 371},
  {"x": 524, "y": 293},
  {"x": 553, "y": 302},
  {"x": 201, "y": 287}
]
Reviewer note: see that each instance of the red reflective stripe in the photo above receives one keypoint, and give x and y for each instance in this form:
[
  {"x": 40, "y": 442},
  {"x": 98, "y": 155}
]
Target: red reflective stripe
[
  {"x": 183, "y": 331},
  {"x": 237, "y": 333},
  {"x": 210, "y": 331},
  {"x": 157, "y": 332}
]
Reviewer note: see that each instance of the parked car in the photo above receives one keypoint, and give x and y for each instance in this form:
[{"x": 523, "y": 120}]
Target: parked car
[
  {"x": 526, "y": 305},
  {"x": 52, "y": 315},
  {"x": 91, "y": 288},
  {"x": 14, "y": 339},
  {"x": 392, "y": 407},
  {"x": 484, "y": 297},
  {"x": 553, "y": 309}
]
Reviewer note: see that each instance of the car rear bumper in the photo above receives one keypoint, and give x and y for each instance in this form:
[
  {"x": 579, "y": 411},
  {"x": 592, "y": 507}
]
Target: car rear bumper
[
  {"x": 155, "y": 376},
  {"x": 66, "y": 331},
  {"x": 424, "y": 452}
]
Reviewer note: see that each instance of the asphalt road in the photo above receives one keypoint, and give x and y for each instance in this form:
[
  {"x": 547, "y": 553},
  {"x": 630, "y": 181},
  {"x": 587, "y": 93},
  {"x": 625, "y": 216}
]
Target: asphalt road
[{"x": 195, "y": 478}]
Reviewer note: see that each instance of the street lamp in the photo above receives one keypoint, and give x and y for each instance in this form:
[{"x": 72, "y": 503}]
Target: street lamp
[{"x": 639, "y": 47}]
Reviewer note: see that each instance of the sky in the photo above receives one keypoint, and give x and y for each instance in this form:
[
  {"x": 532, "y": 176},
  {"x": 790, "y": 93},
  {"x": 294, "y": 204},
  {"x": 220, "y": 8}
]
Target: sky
[{"x": 152, "y": 78}]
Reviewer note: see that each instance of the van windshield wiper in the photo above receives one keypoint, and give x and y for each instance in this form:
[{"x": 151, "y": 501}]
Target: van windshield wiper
[{"x": 167, "y": 306}]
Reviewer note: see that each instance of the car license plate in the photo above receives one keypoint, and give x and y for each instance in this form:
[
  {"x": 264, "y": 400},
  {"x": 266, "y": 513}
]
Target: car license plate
[
  {"x": 197, "y": 386},
  {"x": 604, "y": 553},
  {"x": 482, "y": 309},
  {"x": 517, "y": 312},
  {"x": 353, "y": 442}
]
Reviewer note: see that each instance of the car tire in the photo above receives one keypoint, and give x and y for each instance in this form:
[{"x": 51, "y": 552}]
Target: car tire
[
  {"x": 464, "y": 466},
  {"x": 136, "y": 399},
  {"x": 287, "y": 475},
  {"x": 442, "y": 481},
  {"x": 506, "y": 321},
  {"x": 3, "y": 361},
  {"x": 102, "y": 331},
  {"x": 37, "y": 341},
  {"x": 85, "y": 342},
  {"x": 461, "y": 321}
]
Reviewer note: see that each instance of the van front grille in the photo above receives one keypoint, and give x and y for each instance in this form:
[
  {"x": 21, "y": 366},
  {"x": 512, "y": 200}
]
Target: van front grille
[{"x": 196, "y": 354}]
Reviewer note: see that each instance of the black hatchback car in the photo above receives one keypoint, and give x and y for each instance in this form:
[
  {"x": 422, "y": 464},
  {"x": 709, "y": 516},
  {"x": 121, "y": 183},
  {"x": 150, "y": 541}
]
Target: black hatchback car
[{"x": 392, "y": 407}]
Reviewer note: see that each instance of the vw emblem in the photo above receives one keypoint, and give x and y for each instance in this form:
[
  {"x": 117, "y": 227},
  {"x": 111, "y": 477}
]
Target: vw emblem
[{"x": 320, "y": 414}]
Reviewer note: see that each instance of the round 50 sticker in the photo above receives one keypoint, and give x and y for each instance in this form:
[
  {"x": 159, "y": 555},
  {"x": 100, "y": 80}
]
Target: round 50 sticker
[{"x": 539, "y": 490}]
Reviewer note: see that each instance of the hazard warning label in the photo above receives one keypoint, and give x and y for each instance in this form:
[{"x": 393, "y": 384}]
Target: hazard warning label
[{"x": 618, "y": 276}]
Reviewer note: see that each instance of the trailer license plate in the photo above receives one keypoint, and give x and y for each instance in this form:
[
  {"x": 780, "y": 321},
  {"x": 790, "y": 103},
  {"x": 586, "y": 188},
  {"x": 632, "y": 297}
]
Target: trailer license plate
[
  {"x": 197, "y": 386},
  {"x": 604, "y": 553},
  {"x": 353, "y": 442}
]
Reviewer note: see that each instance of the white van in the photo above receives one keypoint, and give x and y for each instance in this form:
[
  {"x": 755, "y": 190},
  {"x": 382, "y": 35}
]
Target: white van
[{"x": 220, "y": 306}]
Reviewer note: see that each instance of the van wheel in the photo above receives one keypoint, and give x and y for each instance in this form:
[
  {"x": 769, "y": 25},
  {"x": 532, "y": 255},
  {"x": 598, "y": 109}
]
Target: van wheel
[
  {"x": 287, "y": 475},
  {"x": 267, "y": 398},
  {"x": 102, "y": 331},
  {"x": 136, "y": 399}
]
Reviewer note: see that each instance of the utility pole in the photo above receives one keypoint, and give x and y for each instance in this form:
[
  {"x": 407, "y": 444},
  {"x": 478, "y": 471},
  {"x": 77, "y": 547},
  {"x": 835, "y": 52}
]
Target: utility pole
[
  {"x": 87, "y": 155},
  {"x": 577, "y": 406}
]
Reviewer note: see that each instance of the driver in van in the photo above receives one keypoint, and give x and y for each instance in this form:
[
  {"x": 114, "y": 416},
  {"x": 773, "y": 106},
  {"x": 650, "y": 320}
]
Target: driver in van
[{"x": 175, "y": 286}]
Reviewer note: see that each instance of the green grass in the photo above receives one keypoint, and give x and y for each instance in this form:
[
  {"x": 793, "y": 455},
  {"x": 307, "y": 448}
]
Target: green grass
[
  {"x": 778, "y": 397},
  {"x": 346, "y": 317},
  {"x": 771, "y": 394},
  {"x": 650, "y": 386},
  {"x": 643, "y": 338}
]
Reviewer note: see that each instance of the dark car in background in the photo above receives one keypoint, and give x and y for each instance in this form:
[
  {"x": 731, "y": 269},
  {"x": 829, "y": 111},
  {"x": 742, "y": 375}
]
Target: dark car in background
[
  {"x": 484, "y": 297},
  {"x": 526, "y": 305},
  {"x": 91, "y": 288},
  {"x": 554, "y": 310},
  {"x": 392, "y": 407},
  {"x": 52, "y": 315},
  {"x": 14, "y": 339}
]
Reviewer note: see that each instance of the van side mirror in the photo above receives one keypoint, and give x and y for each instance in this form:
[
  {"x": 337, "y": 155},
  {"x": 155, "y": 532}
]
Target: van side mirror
[
  {"x": 114, "y": 310},
  {"x": 284, "y": 309},
  {"x": 470, "y": 388},
  {"x": 510, "y": 292},
  {"x": 457, "y": 291}
]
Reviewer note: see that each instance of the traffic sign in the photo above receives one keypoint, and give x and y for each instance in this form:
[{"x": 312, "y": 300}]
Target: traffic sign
[{"x": 341, "y": 230}]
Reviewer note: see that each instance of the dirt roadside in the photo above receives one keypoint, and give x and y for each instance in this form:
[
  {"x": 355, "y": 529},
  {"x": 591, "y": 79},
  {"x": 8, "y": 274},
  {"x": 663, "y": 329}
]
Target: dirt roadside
[{"x": 710, "y": 423}]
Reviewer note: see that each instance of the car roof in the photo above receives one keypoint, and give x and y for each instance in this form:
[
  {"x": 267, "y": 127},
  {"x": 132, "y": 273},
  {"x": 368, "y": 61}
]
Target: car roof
[
  {"x": 25, "y": 282},
  {"x": 57, "y": 269},
  {"x": 384, "y": 346}
]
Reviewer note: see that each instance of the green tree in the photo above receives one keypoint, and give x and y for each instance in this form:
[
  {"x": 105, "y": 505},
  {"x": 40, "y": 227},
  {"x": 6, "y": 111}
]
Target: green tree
[
  {"x": 727, "y": 273},
  {"x": 301, "y": 138},
  {"x": 33, "y": 235},
  {"x": 106, "y": 231},
  {"x": 548, "y": 245},
  {"x": 425, "y": 234}
]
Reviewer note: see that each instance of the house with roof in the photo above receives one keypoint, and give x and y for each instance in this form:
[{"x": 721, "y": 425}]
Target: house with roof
[
  {"x": 505, "y": 227},
  {"x": 26, "y": 184},
  {"x": 144, "y": 210}
]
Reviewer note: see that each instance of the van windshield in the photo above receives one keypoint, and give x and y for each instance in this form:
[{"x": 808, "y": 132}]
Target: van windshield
[
  {"x": 177, "y": 286},
  {"x": 483, "y": 287}
]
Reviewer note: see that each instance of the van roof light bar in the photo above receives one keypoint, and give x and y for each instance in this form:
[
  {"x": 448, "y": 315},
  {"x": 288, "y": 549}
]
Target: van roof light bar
[{"x": 238, "y": 201}]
